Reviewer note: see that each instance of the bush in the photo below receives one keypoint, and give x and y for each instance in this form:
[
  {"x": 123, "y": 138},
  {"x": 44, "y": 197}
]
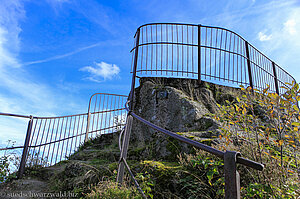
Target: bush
[{"x": 264, "y": 127}]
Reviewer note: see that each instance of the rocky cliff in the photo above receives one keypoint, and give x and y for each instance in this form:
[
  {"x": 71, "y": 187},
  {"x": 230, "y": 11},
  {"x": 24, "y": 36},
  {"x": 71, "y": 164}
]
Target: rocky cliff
[{"x": 178, "y": 105}]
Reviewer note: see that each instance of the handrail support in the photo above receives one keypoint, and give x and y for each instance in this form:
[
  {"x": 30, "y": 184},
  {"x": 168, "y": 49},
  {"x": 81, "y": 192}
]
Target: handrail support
[{"x": 232, "y": 177}]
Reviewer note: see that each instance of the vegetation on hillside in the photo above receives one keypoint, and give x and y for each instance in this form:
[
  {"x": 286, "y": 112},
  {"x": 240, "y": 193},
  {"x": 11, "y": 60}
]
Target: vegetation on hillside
[{"x": 261, "y": 125}]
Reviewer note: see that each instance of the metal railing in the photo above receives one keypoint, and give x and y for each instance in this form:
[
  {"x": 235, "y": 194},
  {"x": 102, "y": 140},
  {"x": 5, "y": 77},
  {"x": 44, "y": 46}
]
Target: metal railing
[
  {"x": 206, "y": 53},
  {"x": 200, "y": 52},
  {"x": 52, "y": 139},
  {"x": 231, "y": 158}
]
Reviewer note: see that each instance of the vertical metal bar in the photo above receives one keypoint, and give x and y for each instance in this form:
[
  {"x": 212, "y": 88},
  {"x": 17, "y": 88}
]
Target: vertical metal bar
[
  {"x": 61, "y": 129},
  {"x": 182, "y": 50},
  {"x": 45, "y": 146},
  {"x": 51, "y": 140},
  {"x": 98, "y": 114},
  {"x": 199, "y": 53},
  {"x": 167, "y": 46},
  {"x": 129, "y": 117},
  {"x": 69, "y": 136},
  {"x": 87, "y": 127},
  {"x": 79, "y": 117},
  {"x": 131, "y": 96},
  {"x": 216, "y": 54},
  {"x": 172, "y": 48},
  {"x": 125, "y": 144},
  {"x": 55, "y": 140},
  {"x": 249, "y": 65},
  {"x": 74, "y": 127},
  {"x": 102, "y": 114},
  {"x": 187, "y": 51},
  {"x": 146, "y": 38},
  {"x": 220, "y": 53},
  {"x": 31, "y": 142},
  {"x": 25, "y": 150},
  {"x": 82, "y": 124},
  {"x": 151, "y": 50},
  {"x": 42, "y": 138},
  {"x": 161, "y": 49},
  {"x": 63, "y": 142},
  {"x": 211, "y": 38},
  {"x": 275, "y": 78},
  {"x": 177, "y": 34},
  {"x": 232, "y": 177},
  {"x": 193, "y": 71}
]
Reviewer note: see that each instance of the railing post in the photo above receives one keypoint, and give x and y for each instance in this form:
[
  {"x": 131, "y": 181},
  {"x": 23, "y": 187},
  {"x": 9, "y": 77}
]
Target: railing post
[
  {"x": 129, "y": 120},
  {"x": 131, "y": 95},
  {"x": 124, "y": 150},
  {"x": 87, "y": 127},
  {"x": 199, "y": 53},
  {"x": 25, "y": 150},
  {"x": 232, "y": 177},
  {"x": 275, "y": 78},
  {"x": 249, "y": 65}
]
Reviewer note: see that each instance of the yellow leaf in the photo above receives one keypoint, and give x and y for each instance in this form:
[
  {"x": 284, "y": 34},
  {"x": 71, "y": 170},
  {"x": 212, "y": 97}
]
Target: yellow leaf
[
  {"x": 266, "y": 153},
  {"x": 274, "y": 157},
  {"x": 296, "y": 108},
  {"x": 295, "y": 128},
  {"x": 286, "y": 136},
  {"x": 280, "y": 142}
]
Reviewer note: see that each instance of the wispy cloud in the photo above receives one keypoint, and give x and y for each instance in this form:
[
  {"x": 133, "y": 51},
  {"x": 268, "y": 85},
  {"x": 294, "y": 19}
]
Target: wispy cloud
[
  {"x": 101, "y": 71},
  {"x": 263, "y": 37},
  {"x": 20, "y": 92},
  {"x": 63, "y": 55},
  {"x": 290, "y": 26}
]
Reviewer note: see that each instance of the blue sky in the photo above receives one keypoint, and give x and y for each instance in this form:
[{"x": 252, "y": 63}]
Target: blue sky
[{"x": 54, "y": 54}]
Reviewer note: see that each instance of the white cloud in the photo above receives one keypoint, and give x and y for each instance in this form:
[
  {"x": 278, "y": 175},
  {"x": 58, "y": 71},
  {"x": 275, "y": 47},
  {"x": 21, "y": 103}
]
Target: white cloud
[
  {"x": 264, "y": 37},
  {"x": 101, "y": 70},
  {"x": 290, "y": 26}
]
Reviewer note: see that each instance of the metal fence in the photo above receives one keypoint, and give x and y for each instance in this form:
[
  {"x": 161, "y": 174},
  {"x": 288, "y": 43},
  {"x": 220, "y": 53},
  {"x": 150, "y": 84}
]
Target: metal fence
[
  {"x": 52, "y": 139},
  {"x": 205, "y": 53}
]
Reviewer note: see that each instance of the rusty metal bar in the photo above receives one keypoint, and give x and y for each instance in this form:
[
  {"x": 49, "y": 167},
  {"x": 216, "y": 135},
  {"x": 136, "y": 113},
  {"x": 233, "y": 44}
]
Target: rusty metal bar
[
  {"x": 232, "y": 177},
  {"x": 25, "y": 150}
]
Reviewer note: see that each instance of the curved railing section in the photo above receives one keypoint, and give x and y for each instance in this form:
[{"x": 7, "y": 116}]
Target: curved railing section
[
  {"x": 205, "y": 53},
  {"x": 52, "y": 139}
]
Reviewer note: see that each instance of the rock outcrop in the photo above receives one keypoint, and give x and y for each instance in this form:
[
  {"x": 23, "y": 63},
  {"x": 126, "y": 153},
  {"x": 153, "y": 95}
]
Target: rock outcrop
[{"x": 179, "y": 105}]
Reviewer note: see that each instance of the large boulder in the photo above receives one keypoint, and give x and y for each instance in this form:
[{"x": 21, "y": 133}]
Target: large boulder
[{"x": 179, "y": 105}]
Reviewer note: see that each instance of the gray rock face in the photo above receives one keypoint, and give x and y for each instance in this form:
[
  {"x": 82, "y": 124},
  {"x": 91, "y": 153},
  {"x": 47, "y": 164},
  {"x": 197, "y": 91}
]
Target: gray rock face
[{"x": 178, "y": 105}]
